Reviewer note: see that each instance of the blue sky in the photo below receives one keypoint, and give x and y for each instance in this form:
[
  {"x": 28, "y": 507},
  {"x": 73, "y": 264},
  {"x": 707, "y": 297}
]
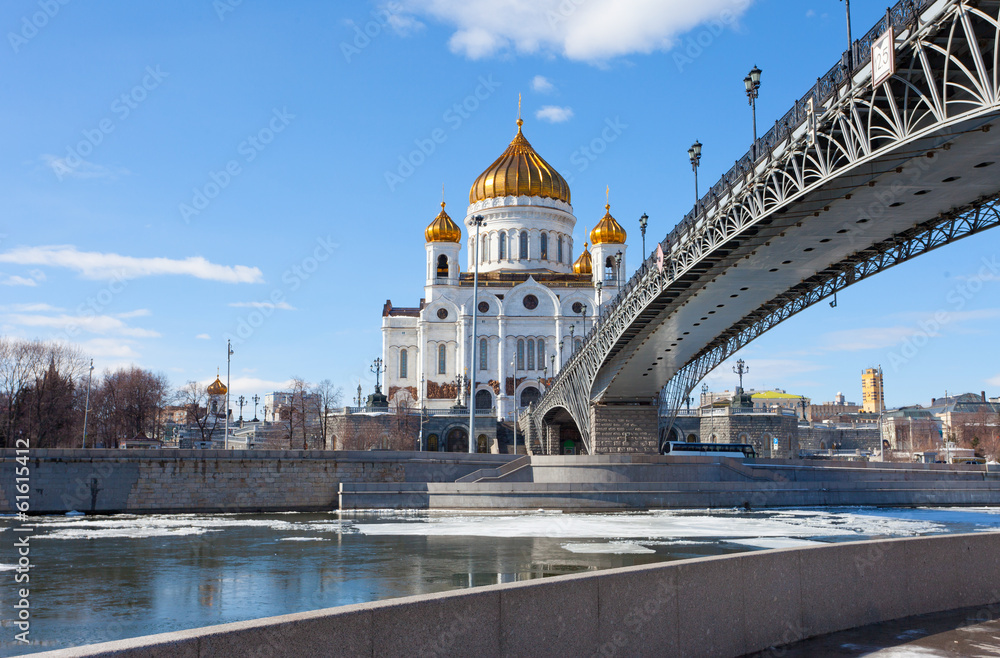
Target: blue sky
[{"x": 175, "y": 173}]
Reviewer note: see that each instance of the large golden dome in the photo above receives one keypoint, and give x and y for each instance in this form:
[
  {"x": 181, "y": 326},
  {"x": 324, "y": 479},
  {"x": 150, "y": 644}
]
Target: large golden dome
[
  {"x": 443, "y": 229},
  {"x": 217, "y": 387},
  {"x": 608, "y": 230},
  {"x": 520, "y": 171},
  {"x": 584, "y": 264}
]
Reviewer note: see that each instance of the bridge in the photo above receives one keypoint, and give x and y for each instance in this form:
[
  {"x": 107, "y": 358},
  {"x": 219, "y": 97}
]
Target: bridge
[{"x": 861, "y": 174}]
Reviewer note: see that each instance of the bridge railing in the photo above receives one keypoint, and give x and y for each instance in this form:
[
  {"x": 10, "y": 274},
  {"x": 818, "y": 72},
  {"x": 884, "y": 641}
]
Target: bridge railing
[{"x": 901, "y": 16}]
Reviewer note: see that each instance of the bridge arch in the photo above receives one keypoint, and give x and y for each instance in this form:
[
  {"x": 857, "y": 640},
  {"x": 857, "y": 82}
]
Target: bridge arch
[{"x": 561, "y": 434}]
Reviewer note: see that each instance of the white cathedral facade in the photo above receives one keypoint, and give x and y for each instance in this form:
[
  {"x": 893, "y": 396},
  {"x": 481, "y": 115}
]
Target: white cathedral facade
[{"x": 535, "y": 301}]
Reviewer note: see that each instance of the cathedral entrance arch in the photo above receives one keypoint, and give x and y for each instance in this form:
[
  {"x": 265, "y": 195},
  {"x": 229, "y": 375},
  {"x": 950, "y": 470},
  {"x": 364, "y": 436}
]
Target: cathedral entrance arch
[
  {"x": 458, "y": 440},
  {"x": 432, "y": 443}
]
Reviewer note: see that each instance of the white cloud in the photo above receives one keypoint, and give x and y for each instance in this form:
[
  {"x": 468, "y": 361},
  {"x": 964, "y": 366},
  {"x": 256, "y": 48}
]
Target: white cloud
[
  {"x": 541, "y": 84},
  {"x": 592, "y": 31},
  {"x": 554, "y": 114},
  {"x": 108, "y": 348},
  {"x": 71, "y": 324},
  {"x": 14, "y": 280},
  {"x": 30, "y": 308},
  {"x": 994, "y": 381},
  {"x": 97, "y": 265},
  {"x": 62, "y": 168},
  {"x": 869, "y": 338},
  {"x": 203, "y": 337},
  {"x": 284, "y": 306},
  {"x": 245, "y": 385}
]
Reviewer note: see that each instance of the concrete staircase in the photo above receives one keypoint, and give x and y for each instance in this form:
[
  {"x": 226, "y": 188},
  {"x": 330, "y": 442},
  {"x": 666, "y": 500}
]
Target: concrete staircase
[{"x": 506, "y": 472}]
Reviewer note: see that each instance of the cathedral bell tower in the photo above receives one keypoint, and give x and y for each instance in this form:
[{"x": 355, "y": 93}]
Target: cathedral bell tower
[
  {"x": 444, "y": 241},
  {"x": 608, "y": 240}
]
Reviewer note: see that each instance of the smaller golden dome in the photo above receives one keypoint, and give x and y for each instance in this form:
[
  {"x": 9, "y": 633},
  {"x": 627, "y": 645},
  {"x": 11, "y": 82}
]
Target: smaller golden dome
[
  {"x": 217, "y": 387},
  {"x": 608, "y": 230},
  {"x": 443, "y": 229},
  {"x": 584, "y": 264}
]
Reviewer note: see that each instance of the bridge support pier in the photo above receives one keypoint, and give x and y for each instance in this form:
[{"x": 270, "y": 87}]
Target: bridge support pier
[{"x": 625, "y": 428}]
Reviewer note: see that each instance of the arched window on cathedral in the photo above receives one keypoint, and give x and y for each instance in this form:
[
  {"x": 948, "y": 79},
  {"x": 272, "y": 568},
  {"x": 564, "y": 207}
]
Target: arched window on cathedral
[
  {"x": 541, "y": 353},
  {"x": 485, "y": 256},
  {"x": 442, "y": 268},
  {"x": 577, "y": 344},
  {"x": 502, "y": 245},
  {"x": 544, "y": 251},
  {"x": 559, "y": 245},
  {"x": 531, "y": 354},
  {"x": 609, "y": 269},
  {"x": 520, "y": 354},
  {"x": 402, "y": 364},
  {"x": 484, "y": 352},
  {"x": 524, "y": 245},
  {"x": 442, "y": 360}
]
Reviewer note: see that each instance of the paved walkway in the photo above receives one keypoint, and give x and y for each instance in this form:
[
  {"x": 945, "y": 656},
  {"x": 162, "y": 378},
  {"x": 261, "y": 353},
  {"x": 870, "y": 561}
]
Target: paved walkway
[{"x": 963, "y": 632}]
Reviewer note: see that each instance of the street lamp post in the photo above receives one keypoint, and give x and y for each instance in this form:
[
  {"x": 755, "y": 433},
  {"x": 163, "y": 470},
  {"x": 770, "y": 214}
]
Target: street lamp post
[
  {"x": 242, "y": 401},
  {"x": 618, "y": 269},
  {"x": 850, "y": 40},
  {"x": 741, "y": 368},
  {"x": 229, "y": 358},
  {"x": 513, "y": 372},
  {"x": 704, "y": 393},
  {"x": 752, "y": 83},
  {"x": 643, "y": 223},
  {"x": 694, "y": 155},
  {"x": 86, "y": 409},
  {"x": 479, "y": 222},
  {"x": 256, "y": 399},
  {"x": 583, "y": 312},
  {"x": 420, "y": 432}
]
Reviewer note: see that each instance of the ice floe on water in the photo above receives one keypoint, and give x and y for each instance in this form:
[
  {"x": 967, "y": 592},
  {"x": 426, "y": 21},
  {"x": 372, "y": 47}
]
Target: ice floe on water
[
  {"x": 673, "y": 524},
  {"x": 8, "y": 567},
  {"x": 131, "y": 526},
  {"x": 304, "y": 539},
  {"x": 775, "y": 542},
  {"x": 609, "y": 548}
]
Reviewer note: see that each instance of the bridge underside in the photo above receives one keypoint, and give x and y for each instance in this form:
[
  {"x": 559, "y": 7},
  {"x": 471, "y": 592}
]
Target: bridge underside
[{"x": 814, "y": 239}]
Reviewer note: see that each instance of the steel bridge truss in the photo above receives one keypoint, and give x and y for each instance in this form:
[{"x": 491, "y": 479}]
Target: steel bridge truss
[{"x": 948, "y": 64}]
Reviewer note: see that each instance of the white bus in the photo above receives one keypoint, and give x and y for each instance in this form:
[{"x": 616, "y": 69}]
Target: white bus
[{"x": 734, "y": 450}]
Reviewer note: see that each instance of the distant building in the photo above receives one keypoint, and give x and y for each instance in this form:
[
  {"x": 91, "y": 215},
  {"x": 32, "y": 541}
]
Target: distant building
[
  {"x": 778, "y": 399},
  {"x": 872, "y": 392},
  {"x": 910, "y": 429},
  {"x": 964, "y": 417}
]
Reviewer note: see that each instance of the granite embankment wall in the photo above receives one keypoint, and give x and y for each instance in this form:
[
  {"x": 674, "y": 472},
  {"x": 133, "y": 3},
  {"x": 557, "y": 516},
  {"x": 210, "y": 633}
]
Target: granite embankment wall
[
  {"x": 603, "y": 482},
  {"x": 721, "y": 606},
  {"x": 159, "y": 481},
  {"x": 155, "y": 481}
]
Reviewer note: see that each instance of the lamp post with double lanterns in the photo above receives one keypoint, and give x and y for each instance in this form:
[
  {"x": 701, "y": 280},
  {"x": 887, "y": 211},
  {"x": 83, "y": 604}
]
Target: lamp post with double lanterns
[
  {"x": 752, "y": 84},
  {"x": 256, "y": 400},
  {"x": 694, "y": 155}
]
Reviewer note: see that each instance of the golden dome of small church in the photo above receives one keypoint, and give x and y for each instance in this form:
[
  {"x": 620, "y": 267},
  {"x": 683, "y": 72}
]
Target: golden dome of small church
[{"x": 536, "y": 300}]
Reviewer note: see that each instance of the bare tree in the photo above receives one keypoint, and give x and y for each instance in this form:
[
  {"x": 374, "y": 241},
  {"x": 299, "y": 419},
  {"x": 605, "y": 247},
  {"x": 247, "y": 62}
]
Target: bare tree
[
  {"x": 194, "y": 398},
  {"x": 326, "y": 397},
  {"x": 129, "y": 402}
]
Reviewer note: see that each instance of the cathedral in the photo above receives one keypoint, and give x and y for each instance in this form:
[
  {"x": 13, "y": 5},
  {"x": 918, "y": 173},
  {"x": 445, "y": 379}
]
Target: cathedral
[{"x": 534, "y": 299}]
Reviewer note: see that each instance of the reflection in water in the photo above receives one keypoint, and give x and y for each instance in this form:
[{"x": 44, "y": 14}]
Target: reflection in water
[{"x": 104, "y": 578}]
